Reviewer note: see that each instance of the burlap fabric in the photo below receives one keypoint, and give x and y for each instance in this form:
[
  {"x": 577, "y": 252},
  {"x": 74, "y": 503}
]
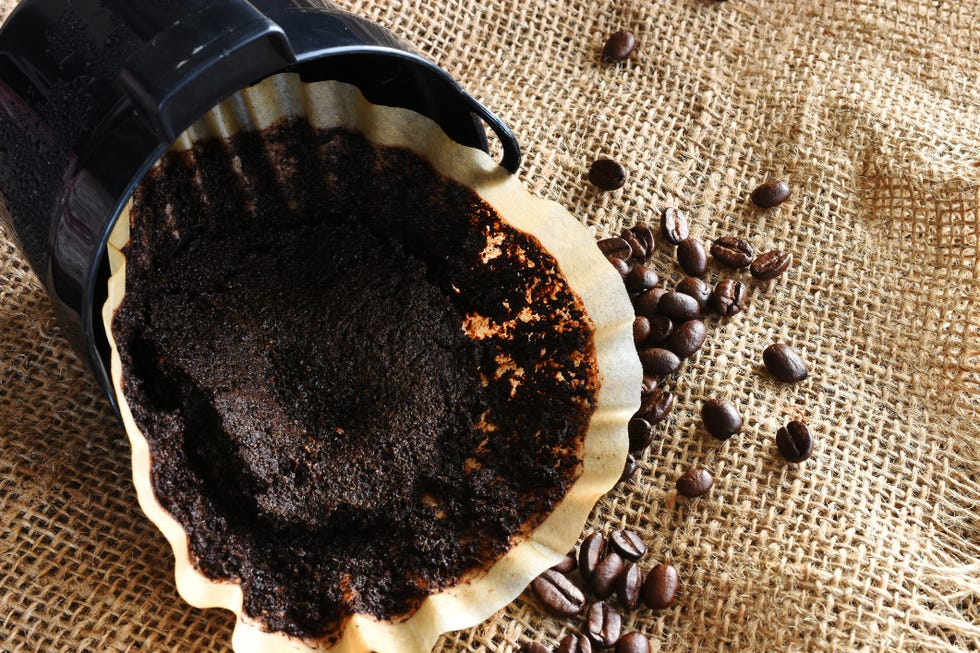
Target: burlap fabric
[{"x": 871, "y": 108}]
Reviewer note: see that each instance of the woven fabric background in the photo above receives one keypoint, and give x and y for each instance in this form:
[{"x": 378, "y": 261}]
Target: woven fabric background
[{"x": 871, "y": 109}]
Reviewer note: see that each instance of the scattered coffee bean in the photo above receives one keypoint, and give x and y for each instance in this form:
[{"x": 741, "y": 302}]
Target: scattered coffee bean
[
  {"x": 628, "y": 469},
  {"x": 640, "y": 433},
  {"x": 678, "y": 306},
  {"x": 633, "y": 643},
  {"x": 605, "y": 574},
  {"x": 728, "y": 297},
  {"x": 732, "y": 251},
  {"x": 590, "y": 552},
  {"x": 646, "y": 303},
  {"x": 794, "y": 441},
  {"x": 534, "y": 647},
  {"x": 639, "y": 251},
  {"x": 721, "y": 418},
  {"x": 604, "y": 624},
  {"x": 692, "y": 258},
  {"x": 615, "y": 248},
  {"x": 660, "y": 587},
  {"x": 687, "y": 338},
  {"x": 655, "y": 407},
  {"x": 661, "y": 327},
  {"x": 621, "y": 266},
  {"x": 644, "y": 234},
  {"x": 641, "y": 278},
  {"x": 641, "y": 329},
  {"x": 557, "y": 594},
  {"x": 628, "y": 544},
  {"x": 659, "y": 362},
  {"x": 649, "y": 385},
  {"x": 771, "y": 264},
  {"x": 567, "y": 564},
  {"x": 694, "y": 483},
  {"x": 619, "y": 46},
  {"x": 696, "y": 288},
  {"x": 628, "y": 586},
  {"x": 606, "y": 174},
  {"x": 574, "y": 643},
  {"x": 673, "y": 226},
  {"x": 784, "y": 363},
  {"x": 771, "y": 193}
]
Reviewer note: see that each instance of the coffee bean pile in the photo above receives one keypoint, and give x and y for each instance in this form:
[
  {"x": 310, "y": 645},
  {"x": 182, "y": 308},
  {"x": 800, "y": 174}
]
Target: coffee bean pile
[{"x": 605, "y": 575}]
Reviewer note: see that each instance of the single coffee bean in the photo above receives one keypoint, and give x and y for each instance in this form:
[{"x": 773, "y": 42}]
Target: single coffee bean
[
  {"x": 687, "y": 338},
  {"x": 640, "y": 433},
  {"x": 661, "y": 327},
  {"x": 567, "y": 564},
  {"x": 605, "y": 575},
  {"x": 641, "y": 278},
  {"x": 633, "y": 643},
  {"x": 648, "y": 386},
  {"x": 621, "y": 266},
  {"x": 534, "y": 647},
  {"x": 660, "y": 587},
  {"x": 732, "y": 251},
  {"x": 628, "y": 469},
  {"x": 659, "y": 362},
  {"x": 794, "y": 442},
  {"x": 646, "y": 303},
  {"x": 574, "y": 643},
  {"x": 557, "y": 594},
  {"x": 639, "y": 251},
  {"x": 606, "y": 174},
  {"x": 696, "y": 288},
  {"x": 771, "y": 264},
  {"x": 721, "y": 418},
  {"x": 728, "y": 297},
  {"x": 628, "y": 586},
  {"x": 692, "y": 258},
  {"x": 771, "y": 193},
  {"x": 628, "y": 544},
  {"x": 641, "y": 329},
  {"x": 694, "y": 483},
  {"x": 603, "y": 625},
  {"x": 644, "y": 234},
  {"x": 619, "y": 46},
  {"x": 615, "y": 248},
  {"x": 590, "y": 552},
  {"x": 784, "y": 363},
  {"x": 673, "y": 226},
  {"x": 678, "y": 306},
  {"x": 655, "y": 408}
]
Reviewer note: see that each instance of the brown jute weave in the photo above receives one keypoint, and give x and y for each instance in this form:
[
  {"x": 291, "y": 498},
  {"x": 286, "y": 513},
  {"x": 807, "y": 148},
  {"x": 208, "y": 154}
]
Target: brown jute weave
[{"x": 871, "y": 109}]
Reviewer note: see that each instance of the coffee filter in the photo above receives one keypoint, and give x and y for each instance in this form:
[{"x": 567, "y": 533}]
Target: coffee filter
[{"x": 332, "y": 104}]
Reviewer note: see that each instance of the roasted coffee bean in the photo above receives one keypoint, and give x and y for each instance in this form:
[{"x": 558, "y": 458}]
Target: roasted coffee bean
[
  {"x": 619, "y": 46},
  {"x": 621, "y": 266},
  {"x": 655, "y": 407},
  {"x": 574, "y": 643},
  {"x": 660, "y": 587},
  {"x": 641, "y": 329},
  {"x": 721, "y": 418},
  {"x": 728, "y": 297},
  {"x": 615, "y": 248},
  {"x": 696, "y": 288},
  {"x": 646, "y": 303},
  {"x": 687, "y": 338},
  {"x": 604, "y": 624},
  {"x": 641, "y": 434},
  {"x": 694, "y": 482},
  {"x": 771, "y": 193},
  {"x": 641, "y": 278},
  {"x": 648, "y": 386},
  {"x": 633, "y": 643},
  {"x": 771, "y": 264},
  {"x": 644, "y": 234},
  {"x": 534, "y": 647},
  {"x": 732, "y": 251},
  {"x": 678, "y": 306},
  {"x": 661, "y": 327},
  {"x": 605, "y": 574},
  {"x": 590, "y": 552},
  {"x": 673, "y": 226},
  {"x": 794, "y": 442},
  {"x": 628, "y": 586},
  {"x": 628, "y": 469},
  {"x": 557, "y": 594},
  {"x": 639, "y": 251},
  {"x": 657, "y": 361},
  {"x": 692, "y": 258},
  {"x": 567, "y": 564},
  {"x": 628, "y": 544},
  {"x": 606, "y": 174},
  {"x": 784, "y": 363}
]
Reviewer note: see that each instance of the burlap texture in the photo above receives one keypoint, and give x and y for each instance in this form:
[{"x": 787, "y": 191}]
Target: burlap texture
[{"x": 871, "y": 108}]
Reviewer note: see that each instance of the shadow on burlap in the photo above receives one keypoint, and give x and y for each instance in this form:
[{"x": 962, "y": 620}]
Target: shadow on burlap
[{"x": 871, "y": 109}]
